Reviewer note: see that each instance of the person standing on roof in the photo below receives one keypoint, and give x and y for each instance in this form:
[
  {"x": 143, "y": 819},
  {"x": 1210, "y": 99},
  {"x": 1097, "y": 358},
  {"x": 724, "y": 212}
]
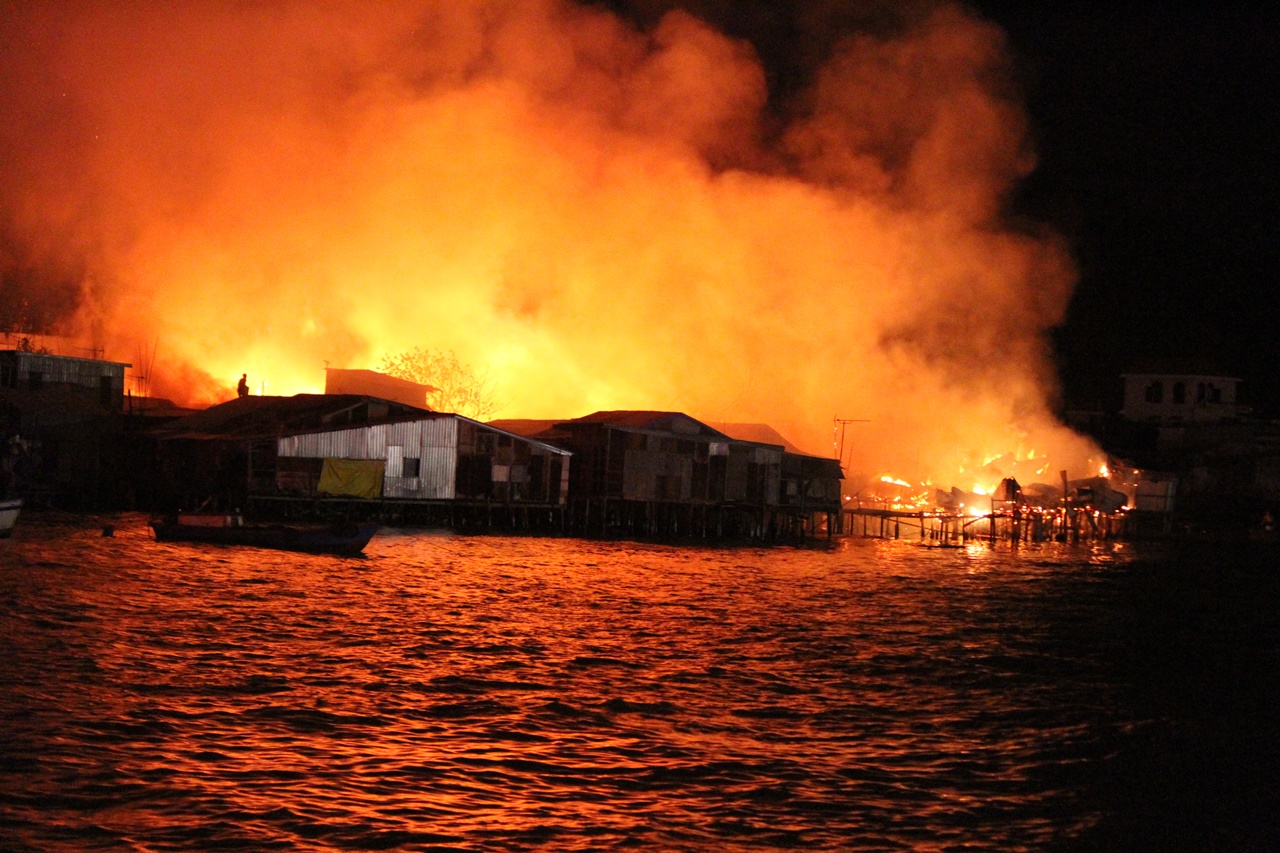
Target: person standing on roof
[{"x": 243, "y": 388}]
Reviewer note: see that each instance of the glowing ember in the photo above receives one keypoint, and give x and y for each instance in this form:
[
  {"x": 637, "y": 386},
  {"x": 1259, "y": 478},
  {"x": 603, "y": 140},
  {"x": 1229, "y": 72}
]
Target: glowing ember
[{"x": 604, "y": 218}]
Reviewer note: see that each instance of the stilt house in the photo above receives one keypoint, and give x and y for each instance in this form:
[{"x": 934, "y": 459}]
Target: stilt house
[
  {"x": 228, "y": 451},
  {"x": 431, "y": 456},
  {"x": 287, "y": 453},
  {"x": 664, "y": 473},
  {"x": 66, "y": 412}
]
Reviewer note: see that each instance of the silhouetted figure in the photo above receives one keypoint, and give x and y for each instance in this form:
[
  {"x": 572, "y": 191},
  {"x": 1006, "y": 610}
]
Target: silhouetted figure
[{"x": 243, "y": 388}]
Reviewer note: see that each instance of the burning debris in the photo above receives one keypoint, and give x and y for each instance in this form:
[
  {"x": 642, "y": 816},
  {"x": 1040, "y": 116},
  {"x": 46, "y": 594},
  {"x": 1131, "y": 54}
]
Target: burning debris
[{"x": 1101, "y": 506}]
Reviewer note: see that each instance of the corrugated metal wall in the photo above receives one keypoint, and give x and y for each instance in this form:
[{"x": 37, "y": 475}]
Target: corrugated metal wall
[
  {"x": 68, "y": 370},
  {"x": 438, "y": 462},
  {"x": 434, "y": 444},
  {"x": 432, "y": 441},
  {"x": 652, "y": 475}
]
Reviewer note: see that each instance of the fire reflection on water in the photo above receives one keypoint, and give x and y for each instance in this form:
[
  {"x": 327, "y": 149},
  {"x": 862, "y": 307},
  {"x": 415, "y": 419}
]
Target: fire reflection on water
[{"x": 493, "y": 693}]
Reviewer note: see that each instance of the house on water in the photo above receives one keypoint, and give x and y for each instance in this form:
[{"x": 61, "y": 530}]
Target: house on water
[
  {"x": 355, "y": 455},
  {"x": 60, "y": 418},
  {"x": 666, "y": 474},
  {"x": 431, "y": 468}
]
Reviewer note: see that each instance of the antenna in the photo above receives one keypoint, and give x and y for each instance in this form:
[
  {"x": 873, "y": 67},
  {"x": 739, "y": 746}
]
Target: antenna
[{"x": 838, "y": 426}]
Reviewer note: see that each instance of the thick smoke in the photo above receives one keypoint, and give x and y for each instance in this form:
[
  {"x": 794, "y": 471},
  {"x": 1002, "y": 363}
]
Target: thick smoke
[{"x": 606, "y": 214}]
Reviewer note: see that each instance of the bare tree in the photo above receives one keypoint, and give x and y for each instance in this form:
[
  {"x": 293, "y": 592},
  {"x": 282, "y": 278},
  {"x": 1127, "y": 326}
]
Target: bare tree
[{"x": 455, "y": 386}]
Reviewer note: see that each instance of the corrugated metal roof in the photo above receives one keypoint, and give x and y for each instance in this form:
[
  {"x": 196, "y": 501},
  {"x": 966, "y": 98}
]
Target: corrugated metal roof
[
  {"x": 655, "y": 421},
  {"x": 765, "y": 434},
  {"x": 525, "y": 438},
  {"x": 154, "y": 407},
  {"x": 757, "y": 434},
  {"x": 66, "y": 370},
  {"x": 267, "y": 417},
  {"x": 428, "y": 429},
  {"x": 45, "y": 360},
  {"x": 522, "y": 426}
]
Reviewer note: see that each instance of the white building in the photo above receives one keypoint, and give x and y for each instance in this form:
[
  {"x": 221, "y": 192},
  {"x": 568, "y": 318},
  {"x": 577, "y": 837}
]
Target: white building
[{"x": 1171, "y": 395}]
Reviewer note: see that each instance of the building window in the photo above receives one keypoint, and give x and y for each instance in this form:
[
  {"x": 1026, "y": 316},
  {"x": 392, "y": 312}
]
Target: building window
[
  {"x": 1179, "y": 392},
  {"x": 411, "y": 466},
  {"x": 106, "y": 391},
  {"x": 1155, "y": 392}
]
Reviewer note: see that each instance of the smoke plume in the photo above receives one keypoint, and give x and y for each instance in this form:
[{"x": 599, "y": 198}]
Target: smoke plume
[{"x": 606, "y": 212}]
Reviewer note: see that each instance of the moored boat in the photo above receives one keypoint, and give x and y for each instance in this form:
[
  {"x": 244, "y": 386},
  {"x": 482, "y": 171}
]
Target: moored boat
[
  {"x": 9, "y": 510},
  {"x": 342, "y": 539}
]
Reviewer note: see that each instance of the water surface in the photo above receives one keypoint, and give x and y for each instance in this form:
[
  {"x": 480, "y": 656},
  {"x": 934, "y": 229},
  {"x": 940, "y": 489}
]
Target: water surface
[{"x": 486, "y": 693}]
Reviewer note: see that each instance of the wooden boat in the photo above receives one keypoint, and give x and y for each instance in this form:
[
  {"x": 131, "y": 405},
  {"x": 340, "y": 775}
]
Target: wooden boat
[
  {"x": 344, "y": 539},
  {"x": 9, "y": 510}
]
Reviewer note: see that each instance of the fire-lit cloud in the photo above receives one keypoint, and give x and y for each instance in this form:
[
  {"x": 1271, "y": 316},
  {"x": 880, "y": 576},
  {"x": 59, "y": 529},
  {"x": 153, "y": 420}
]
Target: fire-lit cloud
[{"x": 606, "y": 216}]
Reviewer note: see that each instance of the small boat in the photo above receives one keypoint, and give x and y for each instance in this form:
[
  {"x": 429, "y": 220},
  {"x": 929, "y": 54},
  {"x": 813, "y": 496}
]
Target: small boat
[
  {"x": 343, "y": 539},
  {"x": 9, "y": 510}
]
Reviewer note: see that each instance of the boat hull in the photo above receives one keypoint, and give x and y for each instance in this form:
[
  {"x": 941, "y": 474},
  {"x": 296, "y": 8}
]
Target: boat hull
[
  {"x": 9, "y": 510},
  {"x": 344, "y": 539}
]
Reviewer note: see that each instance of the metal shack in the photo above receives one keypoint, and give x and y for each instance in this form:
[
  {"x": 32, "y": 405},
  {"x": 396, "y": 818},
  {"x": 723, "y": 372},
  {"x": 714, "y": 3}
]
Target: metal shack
[
  {"x": 431, "y": 457},
  {"x": 665, "y": 473},
  {"x": 56, "y": 388},
  {"x": 227, "y": 452},
  {"x": 809, "y": 487},
  {"x": 66, "y": 412}
]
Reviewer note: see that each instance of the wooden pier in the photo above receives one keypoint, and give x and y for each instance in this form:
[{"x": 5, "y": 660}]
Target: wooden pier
[
  {"x": 1063, "y": 524},
  {"x": 586, "y": 517}
]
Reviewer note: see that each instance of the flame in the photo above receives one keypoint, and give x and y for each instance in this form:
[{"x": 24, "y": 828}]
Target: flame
[{"x": 604, "y": 216}]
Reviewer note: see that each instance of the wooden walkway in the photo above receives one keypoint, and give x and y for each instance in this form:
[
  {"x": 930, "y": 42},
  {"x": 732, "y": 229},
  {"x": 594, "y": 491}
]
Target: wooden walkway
[{"x": 1066, "y": 524}]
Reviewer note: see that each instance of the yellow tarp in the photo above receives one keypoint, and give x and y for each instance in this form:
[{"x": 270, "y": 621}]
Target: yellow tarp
[{"x": 357, "y": 478}]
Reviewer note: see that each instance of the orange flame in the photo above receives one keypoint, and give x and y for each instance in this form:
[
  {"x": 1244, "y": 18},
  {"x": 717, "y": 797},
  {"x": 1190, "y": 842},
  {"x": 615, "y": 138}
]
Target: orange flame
[{"x": 593, "y": 212}]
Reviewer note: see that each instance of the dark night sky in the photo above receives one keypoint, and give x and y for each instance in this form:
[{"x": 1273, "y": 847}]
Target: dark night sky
[{"x": 1155, "y": 131}]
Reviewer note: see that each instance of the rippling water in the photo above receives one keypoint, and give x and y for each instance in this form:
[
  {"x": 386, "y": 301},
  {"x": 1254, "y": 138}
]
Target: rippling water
[{"x": 480, "y": 693}]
